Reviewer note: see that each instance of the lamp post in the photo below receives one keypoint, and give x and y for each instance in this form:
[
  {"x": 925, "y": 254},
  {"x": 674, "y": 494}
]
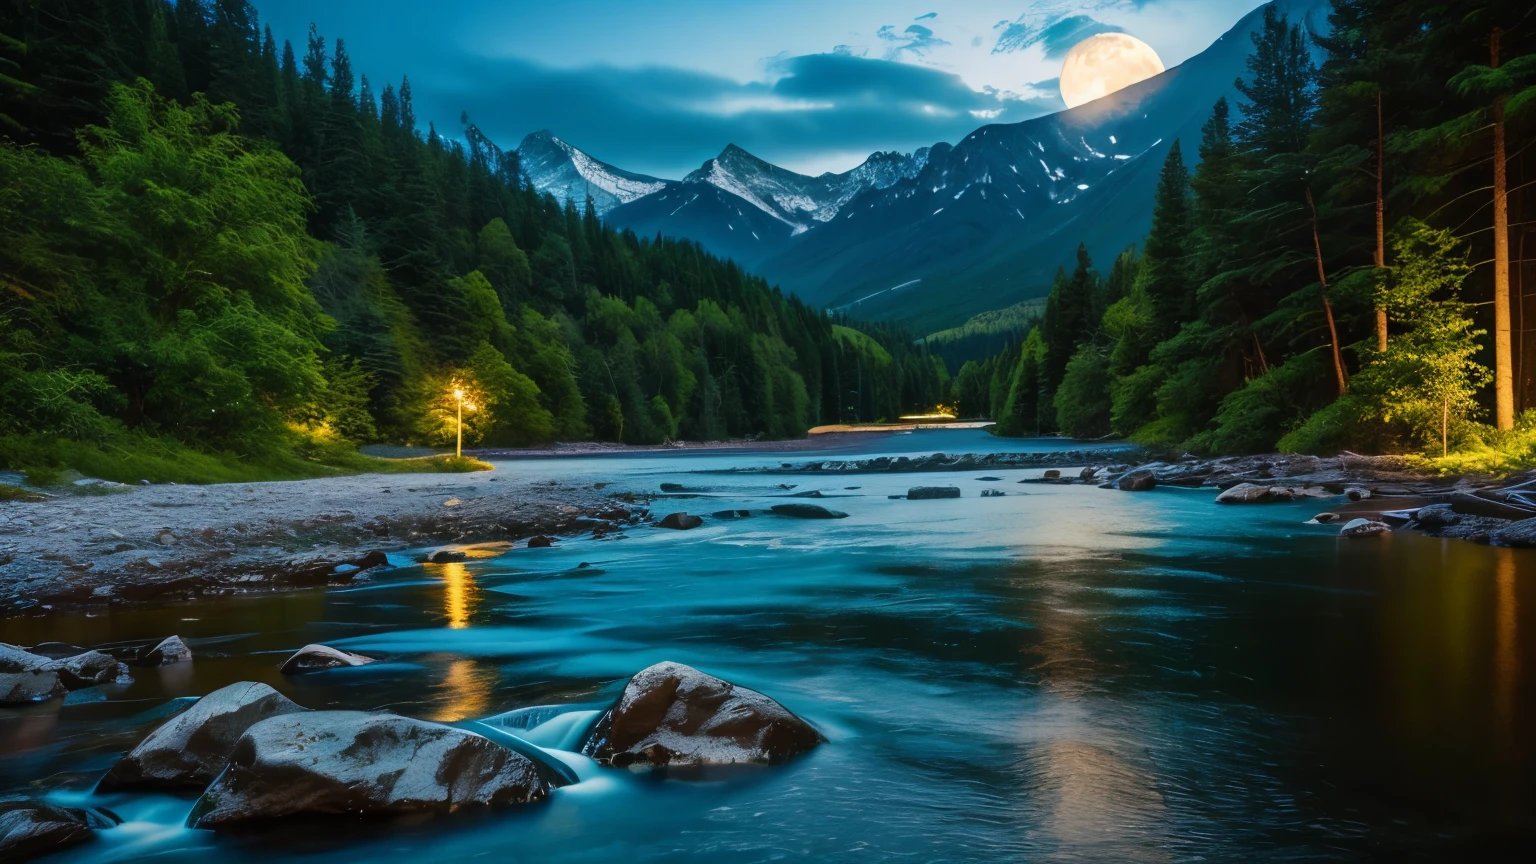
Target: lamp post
[{"x": 458, "y": 446}]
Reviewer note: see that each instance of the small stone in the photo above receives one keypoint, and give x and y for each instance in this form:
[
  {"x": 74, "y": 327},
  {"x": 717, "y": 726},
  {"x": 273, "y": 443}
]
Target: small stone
[
  {"x": 317, "y": 658},
  {"x": 929, "y": 493},
  {"x": 680, "y": 521},
  {"x": 1326, "y": 518},
  {"x": 1051, "y": 474},
  {"x": 1142, "y": 480},
  {"x": 446, "y": 556},
  {"x": 807, "y": 511},
  {"x": 452, "y": 502},
  {"x": 1357, "y": 493},
  {"x": 1356, "y": 528}
]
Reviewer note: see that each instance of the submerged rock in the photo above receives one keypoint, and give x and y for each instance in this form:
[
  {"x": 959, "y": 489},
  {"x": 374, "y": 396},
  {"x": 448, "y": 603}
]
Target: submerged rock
[
  {"x": 1356, "y": 528},
  {"x": 31, "y": 828},
  {"x": 317, "y": 658},
  {"x": 1327, "y": 518},
  {"x": 541, "y": 542},
  {"x": 928, "y": 493},
  {"x": 808, "y": 511},
  {"x": 731, "y": 514},
  {"x": 446, "y": 556},
  {"x": 992, "y": 493},
  {"x": 680, "y": 521},
  {"x": 25, "y": 688},
  {"x": 671, "y": 487},
  {"x": 671, "y": 714},
  {"x": 1142, "y": 480},
  {"x": 352, "y": 763},
  {"x": 190, "y": 749}
]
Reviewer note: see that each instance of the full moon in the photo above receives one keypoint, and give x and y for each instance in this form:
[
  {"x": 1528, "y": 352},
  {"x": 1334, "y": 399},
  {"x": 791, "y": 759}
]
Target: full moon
[{"x": 1102, "y": 64}]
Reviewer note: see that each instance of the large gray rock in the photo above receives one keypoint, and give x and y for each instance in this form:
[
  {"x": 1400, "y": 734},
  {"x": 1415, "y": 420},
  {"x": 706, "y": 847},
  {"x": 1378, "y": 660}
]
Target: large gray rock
[
  {"x": 166, "y": 652},
  {"x": 1436, "y": 516},
  {"x": 318, "y": 658},
  {"x": 90, "y": 669},
  {"x": 1254, "y": 493},
  {"x": 25, "y": 688},
  {"x": 928, "y": 493},
  {"x": 31, "y": 828},
  {"x": 1521, "y": 534},
  {"x": 352, "y": 763},
  {"x": 14, "y": 658},
  {"x": 807, "y": 511},
  {"x": 190, "y": 749},
  {"x": 1137, "y": 481},
  {"x": 671, "y": 714}
]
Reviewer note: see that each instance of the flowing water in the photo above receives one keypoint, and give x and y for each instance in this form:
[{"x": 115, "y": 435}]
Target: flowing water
[{"x": 1064, "y": 674}]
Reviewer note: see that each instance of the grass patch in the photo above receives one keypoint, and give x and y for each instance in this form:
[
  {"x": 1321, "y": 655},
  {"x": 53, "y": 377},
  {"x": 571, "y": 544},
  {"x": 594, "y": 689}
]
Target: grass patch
[
  {"x": 16, "y": 493},
  {"x": 132, "y": 457}
]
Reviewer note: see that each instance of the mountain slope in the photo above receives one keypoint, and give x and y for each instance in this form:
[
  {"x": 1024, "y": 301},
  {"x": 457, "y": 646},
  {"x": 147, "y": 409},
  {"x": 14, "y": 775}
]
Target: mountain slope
[
  {"x": 555, "y": 167},
  {"x": 743, "y": 207},
  {"x": 986, "y": 223}
]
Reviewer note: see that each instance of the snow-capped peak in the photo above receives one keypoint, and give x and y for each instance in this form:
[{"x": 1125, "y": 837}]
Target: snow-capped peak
[{"x": 556, "y": 167}]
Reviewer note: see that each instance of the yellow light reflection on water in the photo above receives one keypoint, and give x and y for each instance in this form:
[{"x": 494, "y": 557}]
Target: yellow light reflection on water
[
  {"x": 465, "y": 691},
  {"x": 460, "y": 595},
  {"x": 1506, "y": 650}
]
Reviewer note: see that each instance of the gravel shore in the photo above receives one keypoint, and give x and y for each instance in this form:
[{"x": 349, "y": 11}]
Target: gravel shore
[{"x": 110, "y": 544}]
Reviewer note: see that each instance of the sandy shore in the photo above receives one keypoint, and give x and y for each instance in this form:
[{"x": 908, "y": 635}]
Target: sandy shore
[{"x": 167, "y": 542}]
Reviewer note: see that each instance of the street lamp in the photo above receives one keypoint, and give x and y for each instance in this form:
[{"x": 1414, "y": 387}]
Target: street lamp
[{"x": 458, "y": 396}]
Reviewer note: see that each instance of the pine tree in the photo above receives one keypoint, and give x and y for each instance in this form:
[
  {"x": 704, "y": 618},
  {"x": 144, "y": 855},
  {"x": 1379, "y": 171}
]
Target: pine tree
[{"x": 1165, "y": 277}]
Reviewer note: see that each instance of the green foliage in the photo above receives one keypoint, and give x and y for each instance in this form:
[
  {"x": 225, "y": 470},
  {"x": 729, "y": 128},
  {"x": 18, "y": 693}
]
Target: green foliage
[{"x": 1083, "y": 400}]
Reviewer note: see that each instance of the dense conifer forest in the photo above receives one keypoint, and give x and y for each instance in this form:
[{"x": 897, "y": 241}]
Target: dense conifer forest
[
  {"x": 212, "y": 240},
  {"x": 1343, "y": 267}
]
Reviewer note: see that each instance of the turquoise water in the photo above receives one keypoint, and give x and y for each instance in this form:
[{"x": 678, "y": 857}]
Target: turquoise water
[{"x": 1064, "y": 673}]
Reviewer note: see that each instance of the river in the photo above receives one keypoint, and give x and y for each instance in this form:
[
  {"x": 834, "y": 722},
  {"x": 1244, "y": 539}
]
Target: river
[{"x": 1063, "y": 673}]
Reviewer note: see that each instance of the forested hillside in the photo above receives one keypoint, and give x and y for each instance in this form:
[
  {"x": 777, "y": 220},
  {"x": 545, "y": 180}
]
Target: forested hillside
[
  {"x": 1336, "y": 271},
  {"x": 239, "y": 245}
]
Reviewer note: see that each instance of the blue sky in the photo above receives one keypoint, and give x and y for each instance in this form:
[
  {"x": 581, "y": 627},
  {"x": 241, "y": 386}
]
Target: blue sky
[{"x": 661, "y": 87}]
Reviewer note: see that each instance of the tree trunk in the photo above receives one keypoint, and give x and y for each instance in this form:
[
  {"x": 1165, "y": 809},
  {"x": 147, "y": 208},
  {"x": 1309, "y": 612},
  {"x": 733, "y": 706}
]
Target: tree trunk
[
  {"x": 1381, "y": 230},
  {"x": 1322, "y": 279},
  {"x": 1503, "y": 378}
]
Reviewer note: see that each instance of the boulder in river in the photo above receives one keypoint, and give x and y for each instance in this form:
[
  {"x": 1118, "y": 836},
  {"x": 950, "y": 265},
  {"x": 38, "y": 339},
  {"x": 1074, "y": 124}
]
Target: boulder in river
[
  {"x": 1141, "y": 480},
  {"x": 14, "y": 658},
  {"x": 680, "y": 521},
  {"x": 992, "y": 493},
  {"x": 928, "y": 493},
  {"x": 1254, "y": 493},
  {"x": 671, "y": 714},
  {"x": 1357, "y": 493},
  {"x": 1357, "y": 528},
  {"x": 1051, "y": 474},
  {"x": 318, "y": 658},
  {"x": 808, "y": 511},
  {"x": 731, "y": 514},
  {"x": 25, "y": 688},
  {"x": 167, "y": 651},
  {"x": 446, "y": 556},
  {"x": 671, "y": 487},
  {"x": 30, "y": 828},
  {"x": 353, "y": 763},
  {"x": 1520, "y": 534},
  {"x": 541, "y": 541},
  {"x": 90, "y": 669},
  {"x": 1436, "y": 516},
  {"x": 190, "y": 749}
]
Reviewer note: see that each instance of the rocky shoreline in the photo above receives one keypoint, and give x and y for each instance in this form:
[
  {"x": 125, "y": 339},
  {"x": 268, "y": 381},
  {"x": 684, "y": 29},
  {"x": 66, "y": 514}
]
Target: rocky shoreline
[{"x": 113, "y": 545}]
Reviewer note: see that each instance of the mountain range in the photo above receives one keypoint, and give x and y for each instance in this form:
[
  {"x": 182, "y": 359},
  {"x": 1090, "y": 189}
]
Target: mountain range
[{"x": 933, "y": 237}]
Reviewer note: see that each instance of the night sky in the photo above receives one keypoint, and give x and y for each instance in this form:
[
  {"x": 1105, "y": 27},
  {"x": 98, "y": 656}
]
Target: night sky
[{"x": 809, "y": 84}]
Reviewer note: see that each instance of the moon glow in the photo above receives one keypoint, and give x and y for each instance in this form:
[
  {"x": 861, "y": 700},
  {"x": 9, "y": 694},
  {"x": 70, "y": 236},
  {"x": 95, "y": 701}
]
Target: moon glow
[{"x": 1102, "y": 64}]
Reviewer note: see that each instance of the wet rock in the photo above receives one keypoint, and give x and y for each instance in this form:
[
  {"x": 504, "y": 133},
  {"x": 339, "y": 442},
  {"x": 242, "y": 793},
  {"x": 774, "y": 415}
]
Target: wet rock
[
  {"x": 808, "y": 511},
  {"x": 317, "y": 658},
  {"x": 671, "y": 487},
  {"x": 1051, "y": 474},
  {"x": 671, "y": 714},
  {"x": 1088, "y": 473},
  {"x": 992, "y": 493},
  {"x": 731, "y": 514},
  {"x": 1254, "y": 493},
  {"x": 1474, "y": 505},
  {"x": 929, "y": 493},
  {"x": 352, "y": 763},
  {"x": 1357, "y": 493},
  {"x": 169, "y": 650},
  {"x": 26, "y": 688},
  {"x": 1357, "y": 528},
  {"x": 55, "y": 650},
  {"x": 446, "y": 556},
  {"x": 90, "y": 669},
  {"x": 996, "y": 479},
  {"x": 190, "y": 749},
  {"x": 1521, "y": 534},
  {"x": 541, "y": 542},
  {"x": 810, "y": 493},
  {"x": 31, "y": 828},
  {"x": 1327, "y": 518},
  {"x": 14, "y": 658},
  {"x": 680, "y": 521},
  {"x": 1436, "y": 516},
  {"x": 1141, "y": 480},
  {"x": 614, "y": 514}
]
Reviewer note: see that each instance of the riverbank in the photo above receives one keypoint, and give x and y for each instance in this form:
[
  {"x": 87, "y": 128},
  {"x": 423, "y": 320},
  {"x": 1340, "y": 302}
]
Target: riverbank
[{"x": 129, "y": 544}]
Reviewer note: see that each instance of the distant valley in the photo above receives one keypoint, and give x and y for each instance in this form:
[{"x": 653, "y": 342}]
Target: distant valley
[{"x": 937, "y": 236}]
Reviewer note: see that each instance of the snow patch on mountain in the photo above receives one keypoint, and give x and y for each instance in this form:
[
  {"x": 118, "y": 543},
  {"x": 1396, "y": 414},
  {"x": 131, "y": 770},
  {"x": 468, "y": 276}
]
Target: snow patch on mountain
[{"x": 556, "y": 167}]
